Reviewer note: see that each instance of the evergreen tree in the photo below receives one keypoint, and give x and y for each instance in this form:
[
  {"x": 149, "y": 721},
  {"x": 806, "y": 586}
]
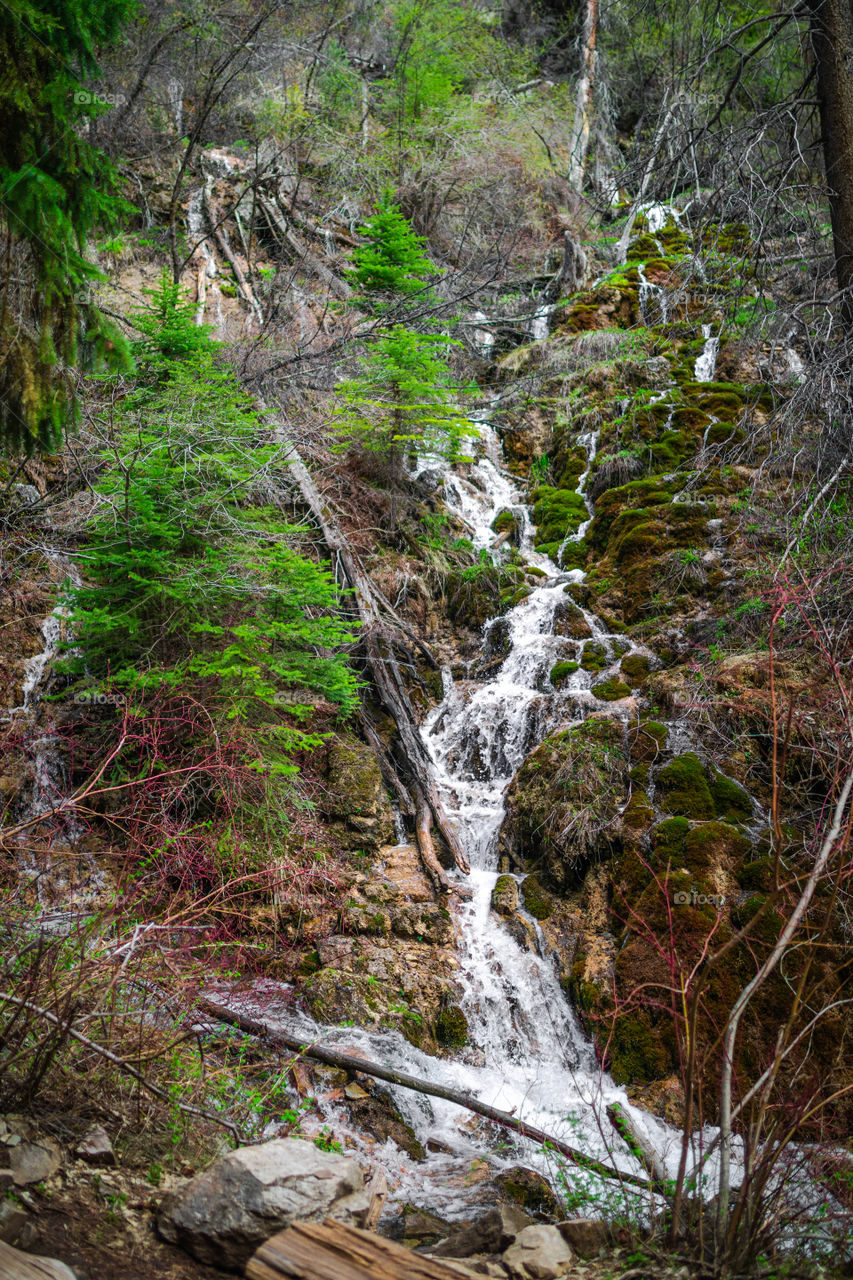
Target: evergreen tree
[
  {"x": 391, "y": 263},
  {"x": 191, "y": 574},
  {"x": 55, "y": 189}
]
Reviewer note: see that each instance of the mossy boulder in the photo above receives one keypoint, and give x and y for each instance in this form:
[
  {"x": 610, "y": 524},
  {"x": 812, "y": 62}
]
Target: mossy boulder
[
  {"x": 451, "y": 1027},
  {"x": 635, "y": 668},
  {"x": 594, "y": 656},
  {"x": 647, "y": 741},
  {"x": 682, "y": 788},
  {"x": 537, "y": 901},
  {"x": 731, "y": 801},
  {"x": 355, "y": 798},
  {"x": 505, "y": 896},
  {"x": 556, "y": 514},
  {"x": 561, "y": 671},
  {"x": 611, "y": 690},
  {"x": 569, "y": 621},
  {"x": 563, "y": 801}
]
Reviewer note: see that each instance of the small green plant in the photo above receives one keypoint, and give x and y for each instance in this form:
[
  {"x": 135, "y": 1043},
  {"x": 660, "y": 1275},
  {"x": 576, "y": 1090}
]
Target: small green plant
[{"x": 327, "y": 1142}]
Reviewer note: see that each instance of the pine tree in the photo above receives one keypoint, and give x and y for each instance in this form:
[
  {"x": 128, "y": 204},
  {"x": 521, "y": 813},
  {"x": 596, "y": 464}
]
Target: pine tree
[
  {"x": 55, "y": 189},
  {"x": 391, "y": 263},
  {"x": 190, "y": 575}
]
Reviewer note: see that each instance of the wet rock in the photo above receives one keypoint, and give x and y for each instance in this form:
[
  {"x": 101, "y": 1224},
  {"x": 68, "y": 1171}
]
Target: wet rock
[
  {"x": 536, "y": 899},
  {"x": 539, "y": 1253},
  {"x": 492, "y": 1233},
  {"x": 96, "y": 1148},
  {"x": 569, "y": 621},
  {"x": 223, "y": 1214},
  {"x": 420, "y": 1227},
  {"x": 529, "y": 1189},
  {"x": 375, "y": 1113},
  {"x": 451, "y": 1027},
  {"x": 505, "y": 896}
]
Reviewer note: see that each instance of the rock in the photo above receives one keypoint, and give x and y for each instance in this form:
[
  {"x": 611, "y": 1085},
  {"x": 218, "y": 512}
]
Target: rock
[
  {"x": 539, "y": 1253},
  {"x": 26, "y": 1266},
  {"x": 15, "y": 1224},
  {"x": 420, "y": 1227},
  {"x": 33, "y": 1161},
  {"x": 223, "y": 1214},
  {"x": 492, "y": 1233},
  {"x": 96, "y": 1148},
  {"x": 586, "y": 1236},
  {"x": 505, "y": 896},
  {"x": 529, "y": 1189}
]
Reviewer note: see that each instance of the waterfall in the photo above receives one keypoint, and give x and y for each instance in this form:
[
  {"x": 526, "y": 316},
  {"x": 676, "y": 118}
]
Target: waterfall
[
  {"x": 650, "y": 295},
  {"x": 706, "y": 364}
]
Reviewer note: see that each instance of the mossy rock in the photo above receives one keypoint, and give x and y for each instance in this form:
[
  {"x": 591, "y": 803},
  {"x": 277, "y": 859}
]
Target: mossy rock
[
  {"x": 569, "y": 621},
  {"x": 556, "y": 513},
  {"x": 530, "y": 1190},
  {"x": 594, "y": 656},
  {"x": 561, "y": 671},
  {"x": 507, "y": 521},
  {"x": 451, "y": 1027},
  {"x": 714, "y": 844},
  {"x": 638, "y": 815},
  {"x": 611, "y": 690},
  {"x": 537, "y": 901},
  {"x": 730, "y": 799},
  {"x": 648, "y": 740},
  {"x": 757, "y": 876},
  {"x": 635, "y": 668},
  {"x": 640, "y": 542},
  {"x": 505, "y": 896},
  {"x": 638, "y": 1052},
  {"x": 682, "y": 788}
]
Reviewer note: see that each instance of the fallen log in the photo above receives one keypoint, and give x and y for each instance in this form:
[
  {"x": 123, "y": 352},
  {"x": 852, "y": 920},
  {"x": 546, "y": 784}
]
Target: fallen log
[
  {"x": 384, "y": 669},
  {"x": 636, "y": 1142},
  {"x": 276, "y": 220},
  {"x": 224, "y": 247},
  {"x": 337, "y": 1058},
  {"x": 332, "y": 1251}
]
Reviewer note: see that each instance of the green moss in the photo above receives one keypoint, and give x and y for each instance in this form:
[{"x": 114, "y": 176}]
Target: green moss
[
  {"x": 635, "y": 668},
  {"x": 638, "y": 814},
  {"x": 731, "y": 801},
  {"x": 637, "y": 1052},
  {"x": 451, "y": 1027},
  {"x": 713, "y": 844},
  {"x": 594, "y": 656},
  {"x": 561, "y": 671},
  {"x": 536, "y": 900},
  {"x": 757, "y": 876},
  {"x": 611, "y": 690},
  {"x": 682, "y": 788},
  {"x": 648, "y": 740},
  {"x": 505, "y": 520},
  {"x": 556, "y": 513},
  {"x": 505, "y": 895}
]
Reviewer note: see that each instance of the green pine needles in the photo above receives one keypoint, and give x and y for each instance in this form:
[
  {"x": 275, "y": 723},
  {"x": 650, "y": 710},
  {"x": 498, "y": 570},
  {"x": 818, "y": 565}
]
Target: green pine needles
[
  {"x": 192, "y": 572},
  {"x": 391, "y": 262},
  {"x": 55, "y": 189},
  {"x": 404, "y": 399}
]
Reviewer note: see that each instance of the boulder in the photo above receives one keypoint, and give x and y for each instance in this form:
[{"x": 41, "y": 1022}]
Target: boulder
[
  {"x": 223, "y": 1214},
  {"x": 34, "y": 1161},
  {"x": 95, "y": 1147},
  {"x": 586, "y": 1236},
  {"x": 539, "y": 1253},
  {"x": 492, "y": 1233}
]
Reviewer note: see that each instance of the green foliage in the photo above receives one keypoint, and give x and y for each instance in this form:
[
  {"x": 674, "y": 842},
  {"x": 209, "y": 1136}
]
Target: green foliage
[
  {"x": 191, "y": 571},
  {"x": 403, "y": 400},
  {"x": 391, "y": 261},
  {"x": 55, "y": 190}
]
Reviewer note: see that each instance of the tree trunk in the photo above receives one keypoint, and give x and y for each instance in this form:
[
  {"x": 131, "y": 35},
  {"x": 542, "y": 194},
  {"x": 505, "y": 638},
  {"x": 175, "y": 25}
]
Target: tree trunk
[
  {"x": 583, "y": 102},
  {"x": 831, "y": 31},
  {"x": 384, "y": 669}
]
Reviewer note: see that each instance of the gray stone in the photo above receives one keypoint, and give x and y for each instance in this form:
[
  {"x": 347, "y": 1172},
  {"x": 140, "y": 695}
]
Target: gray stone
[
  {"x": 95, "y": 1147},
  {"x": 587, "y": 1236},
  {"x": 539, "y": 1253},
  {"x": 223, "y": 1214},
  {"x": 34, "y": 1161},
  {"x": 492, "y": 1233},
  {"x": 13, "y": 1222}
]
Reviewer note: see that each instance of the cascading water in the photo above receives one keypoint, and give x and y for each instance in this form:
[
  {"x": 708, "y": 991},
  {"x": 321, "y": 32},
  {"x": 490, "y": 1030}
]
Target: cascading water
[
  {"x": 706, "y": 363},
  {"x": 527, "y": 1053}
]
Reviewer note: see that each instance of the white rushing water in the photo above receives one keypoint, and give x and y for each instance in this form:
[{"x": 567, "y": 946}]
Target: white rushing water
[
  {"x": 527, "y": 1053},
  {"x": 706, "y": 364}
]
